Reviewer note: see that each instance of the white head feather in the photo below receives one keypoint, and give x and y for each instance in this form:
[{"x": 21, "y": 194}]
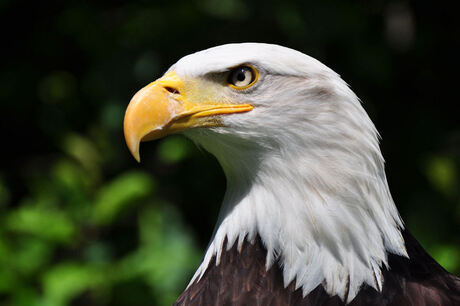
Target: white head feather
[{"x": 304, "y": 171}]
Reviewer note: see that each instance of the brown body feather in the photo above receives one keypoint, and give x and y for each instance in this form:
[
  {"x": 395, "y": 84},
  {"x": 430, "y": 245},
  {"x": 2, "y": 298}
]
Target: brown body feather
[{"x": 241, "y": 279}]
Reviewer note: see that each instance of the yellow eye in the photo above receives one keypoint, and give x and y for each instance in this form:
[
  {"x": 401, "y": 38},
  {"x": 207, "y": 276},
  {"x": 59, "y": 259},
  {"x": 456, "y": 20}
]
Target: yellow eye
[{"x": 242, "y": 77}]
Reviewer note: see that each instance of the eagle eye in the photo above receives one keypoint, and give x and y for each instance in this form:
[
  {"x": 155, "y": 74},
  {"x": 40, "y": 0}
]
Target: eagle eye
[{"x": 242, "y": 77}]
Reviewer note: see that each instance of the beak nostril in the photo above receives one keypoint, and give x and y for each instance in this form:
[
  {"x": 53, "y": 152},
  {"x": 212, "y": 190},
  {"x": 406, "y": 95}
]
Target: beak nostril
[{"x": 172, "y": 90}]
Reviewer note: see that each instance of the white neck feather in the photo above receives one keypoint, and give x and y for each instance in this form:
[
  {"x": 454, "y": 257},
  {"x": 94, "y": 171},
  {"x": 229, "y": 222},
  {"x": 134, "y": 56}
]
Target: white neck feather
[{"x": 323, "y": 209}]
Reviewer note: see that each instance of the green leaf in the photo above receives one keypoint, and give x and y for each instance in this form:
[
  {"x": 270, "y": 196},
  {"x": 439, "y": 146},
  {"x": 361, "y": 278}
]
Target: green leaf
[
  {"x": 448, "y": 256},
  {"x": 46, "y": 223},
  {"x": 26, "y": 296},
  {"x": 30, "y": 254},
  {"x": 173, "y": 149},
  {"x": 121, "y": 193},
  {"x": 67, "y": 280},
  {"x": 83, "y": 150},
  {"x": 441, "y": 172},
  {"x": 8, "y": 277},
  {"x": 69, "y": 177},
  {"x": 167, "y": 256}
]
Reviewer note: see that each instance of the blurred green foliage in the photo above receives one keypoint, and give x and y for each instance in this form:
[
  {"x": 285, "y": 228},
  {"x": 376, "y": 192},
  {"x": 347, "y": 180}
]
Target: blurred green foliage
[
  {"x": 82, "y": 224},
  {"x": 55, "y": 237}
]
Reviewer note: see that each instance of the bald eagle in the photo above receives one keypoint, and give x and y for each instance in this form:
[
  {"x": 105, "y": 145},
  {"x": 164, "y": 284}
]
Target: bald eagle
[{"x": 307, "y": 217}]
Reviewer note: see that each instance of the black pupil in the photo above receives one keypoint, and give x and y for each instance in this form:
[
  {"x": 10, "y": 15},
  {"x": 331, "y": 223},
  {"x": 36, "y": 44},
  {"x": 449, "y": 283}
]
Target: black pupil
[{"x": 240, "y": 76}]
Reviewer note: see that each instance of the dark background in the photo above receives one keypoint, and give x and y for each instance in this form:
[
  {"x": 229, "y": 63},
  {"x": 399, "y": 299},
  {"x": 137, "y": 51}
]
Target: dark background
[{"x": 81, "y": 223}]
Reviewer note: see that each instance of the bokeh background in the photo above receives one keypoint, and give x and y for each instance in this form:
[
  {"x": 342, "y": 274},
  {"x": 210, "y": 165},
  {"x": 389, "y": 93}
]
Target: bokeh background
[{"x": 81, "y": 223}]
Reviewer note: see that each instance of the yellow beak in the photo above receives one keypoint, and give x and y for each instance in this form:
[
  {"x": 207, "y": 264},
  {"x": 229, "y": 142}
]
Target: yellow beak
[{"x": 170, "y": 105}]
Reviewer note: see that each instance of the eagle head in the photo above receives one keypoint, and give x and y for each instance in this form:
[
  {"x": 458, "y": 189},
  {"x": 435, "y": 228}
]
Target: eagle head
[{"x": 301, "y": 156}]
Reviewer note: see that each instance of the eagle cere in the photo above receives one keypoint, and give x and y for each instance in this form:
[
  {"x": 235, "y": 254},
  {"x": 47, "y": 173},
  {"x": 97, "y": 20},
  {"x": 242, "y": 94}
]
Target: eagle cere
[{"x": 307, "y": 217}]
